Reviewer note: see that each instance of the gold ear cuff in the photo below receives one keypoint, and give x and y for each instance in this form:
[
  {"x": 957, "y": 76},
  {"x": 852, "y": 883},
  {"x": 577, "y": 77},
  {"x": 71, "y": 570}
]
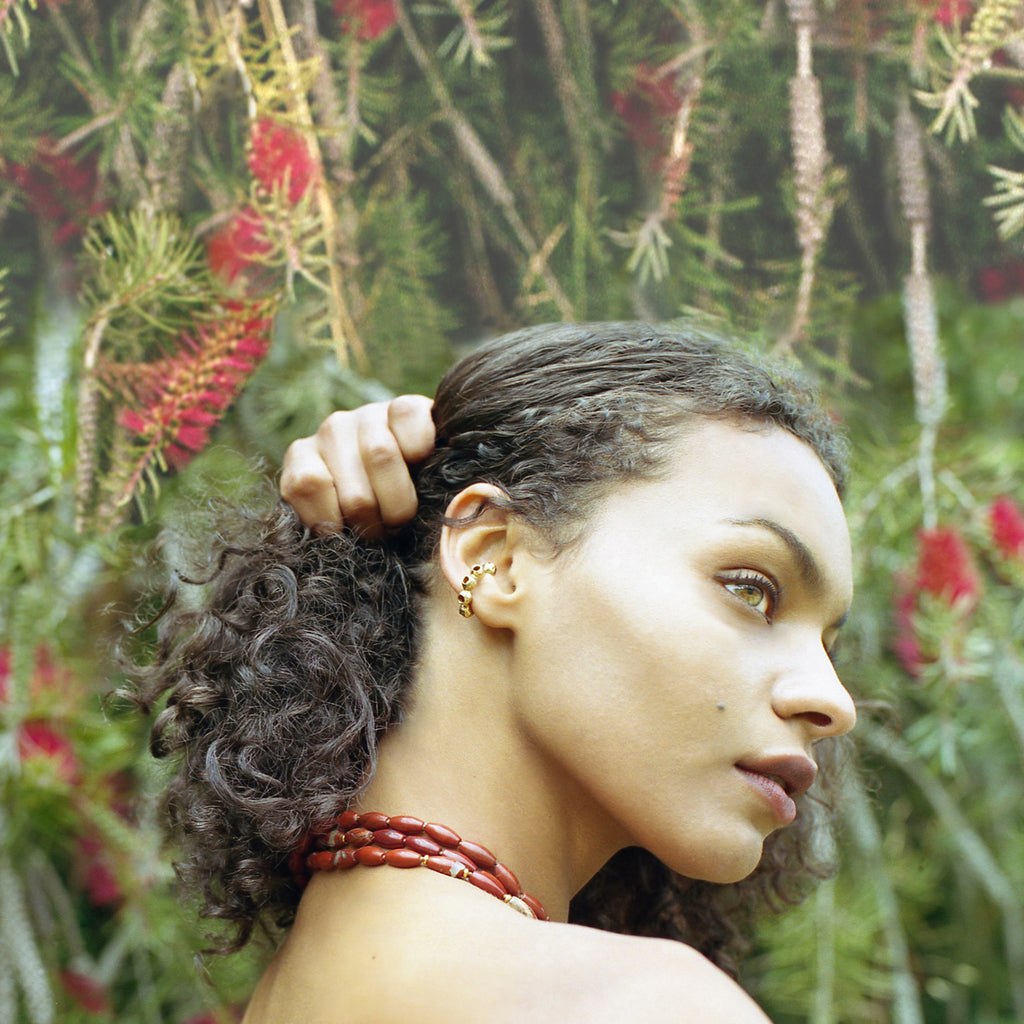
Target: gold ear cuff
[{"x": 468, "y": 583}]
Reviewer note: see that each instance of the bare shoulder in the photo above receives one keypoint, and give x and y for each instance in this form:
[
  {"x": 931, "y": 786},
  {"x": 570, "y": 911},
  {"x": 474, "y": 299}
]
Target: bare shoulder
[
  {"x": 614, "y": 978},
  {"x": 463, "y": 959}
]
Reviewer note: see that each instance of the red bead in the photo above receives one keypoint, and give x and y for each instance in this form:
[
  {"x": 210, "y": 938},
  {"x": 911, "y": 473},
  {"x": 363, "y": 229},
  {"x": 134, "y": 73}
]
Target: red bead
[
  {"x": 348, "y": 819},
  {"x": 371, "y": 856},
  {"x": 358, "y": 836},
  {"x": 479, "y": 855},
  {"x": 486, "y": 881},
  {"x": 507, "y": 879},
  {"x": 442, "y": 834},
  {"x": 421, "y": 844},
  {"x": 407, "y": 824},
  {"x": 534, "y": 905},
  {"x": 322, "y": 861},
  {"x": 459, "y": 858},
  {"x": 374, "y": 820},
  {"x": 345, "y": 858},
  {"x": 444, "y": 866},
  {"x": 389, "y": 838},
  {"x": 403, "y": 859}
]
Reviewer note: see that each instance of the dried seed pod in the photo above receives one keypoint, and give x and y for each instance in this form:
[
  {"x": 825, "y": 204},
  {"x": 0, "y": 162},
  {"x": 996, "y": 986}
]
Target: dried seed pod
[
  {"x": 911, "y": 167},
  {"x": 802, "y": 12},
  {"x": 921, "y": 322},
  {"x": 810, "y": 159}
]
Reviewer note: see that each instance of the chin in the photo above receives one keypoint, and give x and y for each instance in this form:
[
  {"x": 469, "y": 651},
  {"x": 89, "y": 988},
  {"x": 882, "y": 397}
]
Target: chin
[{"x": 722, "y": 865}]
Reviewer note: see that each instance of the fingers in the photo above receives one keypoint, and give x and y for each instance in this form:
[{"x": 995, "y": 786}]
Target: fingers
[
  {"x": 355, "y": 470},
  {"x": 307, "y": 486},
  {"x": 410, "y": 421}
]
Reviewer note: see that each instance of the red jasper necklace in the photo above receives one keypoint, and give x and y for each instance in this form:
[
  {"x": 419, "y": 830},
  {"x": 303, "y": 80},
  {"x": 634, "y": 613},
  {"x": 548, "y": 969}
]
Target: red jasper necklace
[{"x": 372, "y": 839}]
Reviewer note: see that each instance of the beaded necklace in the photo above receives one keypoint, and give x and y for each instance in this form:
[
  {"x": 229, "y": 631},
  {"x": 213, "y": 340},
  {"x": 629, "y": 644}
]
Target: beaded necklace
[{"x": 372, "y": 839}]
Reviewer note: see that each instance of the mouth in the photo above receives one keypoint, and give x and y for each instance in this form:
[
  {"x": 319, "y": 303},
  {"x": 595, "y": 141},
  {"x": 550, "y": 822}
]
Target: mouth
[
  {"x": 793, "y": 772},
  {"x": 781, "y": 779}
]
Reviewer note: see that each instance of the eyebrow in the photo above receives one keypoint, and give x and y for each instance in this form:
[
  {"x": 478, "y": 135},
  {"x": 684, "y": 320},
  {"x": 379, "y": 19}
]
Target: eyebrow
[
  {"x": 809, "y": 568},
  {"x": 810, "y": 571}
]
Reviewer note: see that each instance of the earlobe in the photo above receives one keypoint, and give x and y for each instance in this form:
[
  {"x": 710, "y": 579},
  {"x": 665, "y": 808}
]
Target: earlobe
[{"x": 477, "y": 558}]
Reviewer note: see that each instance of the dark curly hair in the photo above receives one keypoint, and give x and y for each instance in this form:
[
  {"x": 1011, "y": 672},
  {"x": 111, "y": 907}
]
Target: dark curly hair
[{"x": 280, "y": 686}]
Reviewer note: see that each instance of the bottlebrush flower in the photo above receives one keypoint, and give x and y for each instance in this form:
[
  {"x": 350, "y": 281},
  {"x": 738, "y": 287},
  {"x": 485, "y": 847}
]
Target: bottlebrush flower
[
  {"x": 1006, "y": 523},
  {"x": 949, "y": 11},
  {"x": 39, "y": 739},
  {"x": 278, "y": 156},
  {"x": 648, "y": 106},
  {"x": 179, "y": 399},
  {"x": 60, "y": 189},
  {"x": 95, "y": 875},
  {"x": 945, "y": 567},
  {"x": 237, "y": 246},
  {"x": 86, "y": 992},
  {"x": 998, "y": 283},
  {"x": 906, "y": 645},
  {"x": 369, "y": 19}
]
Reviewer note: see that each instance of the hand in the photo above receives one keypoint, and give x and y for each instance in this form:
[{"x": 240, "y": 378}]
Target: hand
[{"x": 355, "y": 469}]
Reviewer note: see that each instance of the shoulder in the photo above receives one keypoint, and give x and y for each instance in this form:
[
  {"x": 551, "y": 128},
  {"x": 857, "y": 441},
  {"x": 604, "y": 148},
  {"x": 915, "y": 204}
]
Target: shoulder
[
  {"x": 462, "y": 960},
  {"x": 603, "y": 977}
]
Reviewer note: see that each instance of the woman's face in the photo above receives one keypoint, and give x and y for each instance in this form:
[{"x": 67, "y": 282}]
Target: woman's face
[{"x": 673, "y": 667}]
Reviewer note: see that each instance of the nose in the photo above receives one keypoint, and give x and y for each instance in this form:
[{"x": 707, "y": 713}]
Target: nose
[{"x": 812, "y": 693}]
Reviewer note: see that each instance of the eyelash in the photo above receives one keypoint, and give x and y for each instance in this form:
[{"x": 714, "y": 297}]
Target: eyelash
[{"x": 756, "y": 580}]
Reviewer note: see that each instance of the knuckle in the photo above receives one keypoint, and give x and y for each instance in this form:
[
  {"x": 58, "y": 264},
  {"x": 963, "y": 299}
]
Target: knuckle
[
  {"x": 304, "y": 482},
  {"x": 408, "y": 407}
]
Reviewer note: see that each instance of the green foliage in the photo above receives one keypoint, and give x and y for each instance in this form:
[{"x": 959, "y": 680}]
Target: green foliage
[{"x": 475, "y": 166}]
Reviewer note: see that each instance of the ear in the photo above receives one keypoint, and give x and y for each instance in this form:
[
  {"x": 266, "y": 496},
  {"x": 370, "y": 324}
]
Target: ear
[{"x": 490, "y": 535}]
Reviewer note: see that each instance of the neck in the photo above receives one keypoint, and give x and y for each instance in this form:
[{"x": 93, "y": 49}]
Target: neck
[{"x": 461, "y": 758}]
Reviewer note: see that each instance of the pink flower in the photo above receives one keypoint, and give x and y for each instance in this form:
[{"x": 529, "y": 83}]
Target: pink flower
[
  {"x": 369, "y": 19},
  {"x": 5, "y": 672},
  {"x": 278, "y": 155},
  {"x": 86, "y": 992},
  {"x": 1006, "y": 522},
  {"x": 949, "y": 11},
  {"x": 238, "y": 245},
  {"x": 95, "y": 874},
  {"x": 38, "y": 739},
  {"x": 649, "y": 106},
  {"x": 906, "y": 646},
  {"x": 945, "y": 567}
]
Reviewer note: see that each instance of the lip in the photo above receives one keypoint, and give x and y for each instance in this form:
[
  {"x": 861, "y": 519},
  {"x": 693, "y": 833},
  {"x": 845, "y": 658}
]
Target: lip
[{"x": 780, "y": 779}]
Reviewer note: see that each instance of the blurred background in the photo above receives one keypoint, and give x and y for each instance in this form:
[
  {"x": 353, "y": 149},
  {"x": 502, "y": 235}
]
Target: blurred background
[{"x": 221, "y": 220}]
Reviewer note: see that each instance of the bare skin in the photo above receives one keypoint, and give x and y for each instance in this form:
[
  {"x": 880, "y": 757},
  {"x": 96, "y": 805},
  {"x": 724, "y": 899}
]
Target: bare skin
[{"x": 703, "y": 638}]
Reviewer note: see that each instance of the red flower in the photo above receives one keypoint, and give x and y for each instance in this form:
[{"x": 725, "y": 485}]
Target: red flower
[
  {"x": 999, "y": 283},
  {"x": 95, "y": 874},
  {"x": 280, "y": 156},
  {"x": 949, "y": 11},
  {"x": 1006, "y": 522},
  {"x": 945, "y": 567},
  {"x": 367, "y": 18},
  {"x": 649, "y": 106},
  {"x": 5, "y": 671},
  {"x": 60, "y": 189},
  {"x": 906, "y": 646},
  {"x": 38, "y": 739},
  {"x": 238, "y": 245},
  {"x": 182, "y": 397},
  {"x": 86, "y": 992}
]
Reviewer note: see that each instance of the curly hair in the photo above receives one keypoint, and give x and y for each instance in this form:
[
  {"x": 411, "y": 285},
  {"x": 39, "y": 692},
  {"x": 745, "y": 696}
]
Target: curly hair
[{"x": 281, "y": 684}]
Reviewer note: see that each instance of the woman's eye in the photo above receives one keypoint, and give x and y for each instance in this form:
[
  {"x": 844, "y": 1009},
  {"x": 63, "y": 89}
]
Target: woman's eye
[{"x": 757, "y": 592}]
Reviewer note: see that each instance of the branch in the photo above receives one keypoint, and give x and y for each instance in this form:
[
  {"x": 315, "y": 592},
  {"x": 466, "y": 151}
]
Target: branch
[{"x": 487, "y": 172}]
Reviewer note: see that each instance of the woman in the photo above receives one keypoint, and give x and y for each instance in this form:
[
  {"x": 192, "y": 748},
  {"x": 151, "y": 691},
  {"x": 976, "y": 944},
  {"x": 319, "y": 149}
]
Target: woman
[{"x": 601, "y": 648}]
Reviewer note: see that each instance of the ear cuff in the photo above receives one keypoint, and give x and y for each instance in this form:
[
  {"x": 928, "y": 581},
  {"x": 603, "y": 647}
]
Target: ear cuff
[{"x": 468, "y": 583}]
